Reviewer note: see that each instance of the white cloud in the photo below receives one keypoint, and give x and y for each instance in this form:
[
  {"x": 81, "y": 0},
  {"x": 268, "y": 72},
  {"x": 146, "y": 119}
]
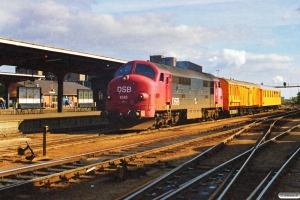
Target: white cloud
[
  {"x": 278, "y": 79},
  {"x": 214, "y": 61},
  {"x": 251, "y": 67},
  {"x": 124, "y": 35},
  {"x": 225, "y": 35},
  {"x": 235, "y": 58},
  {"x": 268, "y": 58}
]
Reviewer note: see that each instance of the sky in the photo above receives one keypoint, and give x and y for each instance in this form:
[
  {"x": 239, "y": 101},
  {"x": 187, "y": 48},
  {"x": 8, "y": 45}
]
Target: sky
[{"x": 248, "y": 40}]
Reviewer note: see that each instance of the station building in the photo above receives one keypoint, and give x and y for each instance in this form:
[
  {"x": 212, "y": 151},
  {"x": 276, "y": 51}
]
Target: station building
[{"x": 49, "y": 91}]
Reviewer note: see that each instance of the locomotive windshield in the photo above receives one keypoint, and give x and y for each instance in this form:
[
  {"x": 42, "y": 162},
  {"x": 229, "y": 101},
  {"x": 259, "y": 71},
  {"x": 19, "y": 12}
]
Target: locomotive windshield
[
  {"x": 126, "y": 69},
  {"x": 145, "y": 70}
]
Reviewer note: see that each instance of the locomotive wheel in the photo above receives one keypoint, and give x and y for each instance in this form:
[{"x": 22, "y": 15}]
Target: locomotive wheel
[
  {"x": 216, "y": 115},
  {"x": 206, "y": 115}
]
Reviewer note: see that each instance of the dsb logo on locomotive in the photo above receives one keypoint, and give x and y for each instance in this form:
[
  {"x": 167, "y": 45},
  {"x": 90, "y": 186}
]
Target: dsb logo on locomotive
[{"x": 124, "y": 89}]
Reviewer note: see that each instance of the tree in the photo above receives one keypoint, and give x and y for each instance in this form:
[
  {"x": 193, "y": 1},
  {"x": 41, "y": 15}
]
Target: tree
[{"x": 298, "y": 98}]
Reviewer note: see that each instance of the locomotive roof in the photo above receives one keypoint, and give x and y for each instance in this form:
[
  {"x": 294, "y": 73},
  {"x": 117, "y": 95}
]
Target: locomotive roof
[{"x": 176, "y": 71}]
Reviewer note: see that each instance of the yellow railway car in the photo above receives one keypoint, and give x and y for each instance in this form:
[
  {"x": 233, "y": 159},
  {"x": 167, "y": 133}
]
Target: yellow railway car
[
  {"x": 241, "y": 97},
  {"x": 271, "y": 97}
]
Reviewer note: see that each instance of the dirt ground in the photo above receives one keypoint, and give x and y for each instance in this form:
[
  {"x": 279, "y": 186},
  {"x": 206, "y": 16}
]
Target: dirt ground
[{"x": 105, "y": 187}]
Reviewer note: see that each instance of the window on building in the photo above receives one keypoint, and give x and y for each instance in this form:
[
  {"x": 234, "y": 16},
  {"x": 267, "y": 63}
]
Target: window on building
[{"x": 54, "y": 99}]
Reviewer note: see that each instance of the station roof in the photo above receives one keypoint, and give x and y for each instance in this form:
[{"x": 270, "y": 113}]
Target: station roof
[
  {"x": 56, "y": 60},
  {"x": 6, "y": 77}
]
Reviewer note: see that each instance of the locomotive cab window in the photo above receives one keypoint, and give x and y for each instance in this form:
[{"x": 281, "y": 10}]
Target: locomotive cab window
[
  {"x": 126, "y": 69},
  {"x": 145, "y": 70},
  {"x": 161, "y": 77}
]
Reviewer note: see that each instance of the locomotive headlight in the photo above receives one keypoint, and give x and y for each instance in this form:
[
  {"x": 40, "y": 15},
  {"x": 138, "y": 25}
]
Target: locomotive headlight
[
  {"x": 125, "y": 78},
  {"x": 143, "y": 96}
]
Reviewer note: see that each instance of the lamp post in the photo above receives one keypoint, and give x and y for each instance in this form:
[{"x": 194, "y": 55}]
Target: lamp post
[{"x": 218, "y": 71}]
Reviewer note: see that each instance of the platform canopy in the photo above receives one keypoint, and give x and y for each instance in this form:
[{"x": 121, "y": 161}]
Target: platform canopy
[
  {"x": 57, "y": 60},
  {"x": 7, "y": 77}
]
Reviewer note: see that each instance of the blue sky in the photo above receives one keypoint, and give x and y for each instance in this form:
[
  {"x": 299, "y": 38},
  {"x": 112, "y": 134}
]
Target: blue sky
[{"x": 249, "y": 40}]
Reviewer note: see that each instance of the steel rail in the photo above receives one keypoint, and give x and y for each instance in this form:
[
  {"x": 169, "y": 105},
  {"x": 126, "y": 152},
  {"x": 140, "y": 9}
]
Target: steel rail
[
  {"x": 162, "y": 178},
  {"x": 68, "y": 173},
  {"x": 80, "y": 170},
  {"x": 196, "y": 179},
  {"x": 260, "y": 196},
  {"x": 188, "y": 162},
  {"x": 259, "y": 186},
  {"x": 246, "y": 162},
  {"x": 6, "y": 152},
  {"x": 49, "y": 141}
]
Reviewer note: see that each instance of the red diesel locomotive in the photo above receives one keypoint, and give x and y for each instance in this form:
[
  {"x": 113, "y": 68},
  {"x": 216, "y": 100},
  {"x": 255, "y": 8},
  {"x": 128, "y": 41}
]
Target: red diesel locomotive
[{"x": 149, "y": 95}]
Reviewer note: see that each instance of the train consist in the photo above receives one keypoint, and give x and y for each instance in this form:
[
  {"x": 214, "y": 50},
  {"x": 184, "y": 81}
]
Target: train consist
[{"x": 145, "y": 95}]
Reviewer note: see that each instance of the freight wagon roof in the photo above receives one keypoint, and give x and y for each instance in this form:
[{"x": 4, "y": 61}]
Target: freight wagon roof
[
  {"x": 243, "y": 83},
  {"x": 269, "y": 88},
  {"x": 176, "y": 71}
]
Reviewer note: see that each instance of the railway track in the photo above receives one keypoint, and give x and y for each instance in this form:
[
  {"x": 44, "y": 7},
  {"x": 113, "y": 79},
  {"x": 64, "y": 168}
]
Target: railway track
[
  {"x": 284, "y": 147},
  {"x": 201, "y": 178},
  {"x": 35, "y": 140},
  {"x": 54, "y": 173},
  {"x": 8, "y": 150},
  {"x": 71, "y": 169}
]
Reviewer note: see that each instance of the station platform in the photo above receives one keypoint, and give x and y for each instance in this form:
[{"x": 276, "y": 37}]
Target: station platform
[{"x": 10, "y": 122}]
